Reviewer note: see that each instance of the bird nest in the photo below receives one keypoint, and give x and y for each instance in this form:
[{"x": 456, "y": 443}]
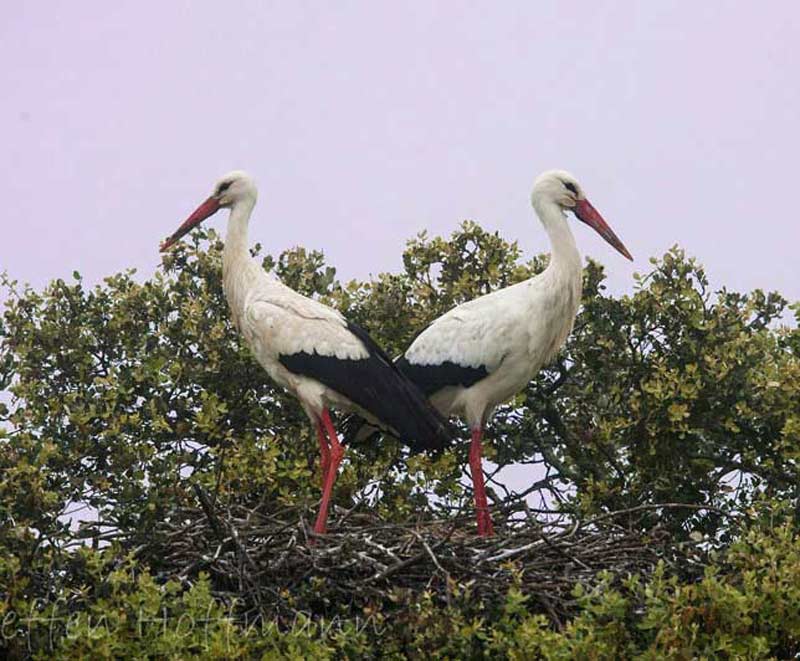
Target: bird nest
[{"x": 270, "y": 564}]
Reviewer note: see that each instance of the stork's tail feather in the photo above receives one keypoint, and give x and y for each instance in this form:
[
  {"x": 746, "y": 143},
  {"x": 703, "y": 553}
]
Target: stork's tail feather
[
  {"x": 405, "y": 409},
  {"x": 417, "y": 422},
  {"x": 357, "y": 431}
]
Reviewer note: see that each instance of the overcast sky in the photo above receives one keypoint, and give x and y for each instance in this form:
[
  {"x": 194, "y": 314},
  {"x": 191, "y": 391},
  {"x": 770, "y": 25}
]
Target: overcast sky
[{"x": 366, "y": 122}]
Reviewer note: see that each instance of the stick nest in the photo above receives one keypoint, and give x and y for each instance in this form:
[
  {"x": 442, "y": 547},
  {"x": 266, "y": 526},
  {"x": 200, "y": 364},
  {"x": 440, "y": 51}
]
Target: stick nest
[{"x": 271, "y": 565}]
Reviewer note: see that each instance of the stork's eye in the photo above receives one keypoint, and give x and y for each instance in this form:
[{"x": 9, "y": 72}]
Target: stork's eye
[
  {"x": 224, "y": 186},
  {"x": 571, "y": 187}
]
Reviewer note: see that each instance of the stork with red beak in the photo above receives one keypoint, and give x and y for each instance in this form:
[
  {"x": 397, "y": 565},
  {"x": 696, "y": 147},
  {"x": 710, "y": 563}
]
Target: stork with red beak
[
  {"x": 311, "y": 349},
  {"x": 483, "y": 352}
]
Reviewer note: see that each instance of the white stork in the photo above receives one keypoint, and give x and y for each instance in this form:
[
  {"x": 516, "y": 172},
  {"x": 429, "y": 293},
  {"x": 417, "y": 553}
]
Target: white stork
[
  {"x": 483, "y": 352},
  {"x": 311, "y": 349}
]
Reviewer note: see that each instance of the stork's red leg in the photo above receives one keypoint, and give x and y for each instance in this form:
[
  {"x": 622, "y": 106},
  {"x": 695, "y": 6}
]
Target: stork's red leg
[
  {"x": 324, "y": 453},
  {"x": 485, "y": 526},
  {"x": 336, "y": 453}
]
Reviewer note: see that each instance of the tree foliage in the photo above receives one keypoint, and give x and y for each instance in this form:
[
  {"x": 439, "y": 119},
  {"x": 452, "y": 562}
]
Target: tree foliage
[{"x": 127, "y": 399}]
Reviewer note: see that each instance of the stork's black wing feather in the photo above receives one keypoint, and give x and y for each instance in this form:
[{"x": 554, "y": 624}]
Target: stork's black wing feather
[
  {"x": 432, "y": 378},
  {"x": 378, "y": 386}
]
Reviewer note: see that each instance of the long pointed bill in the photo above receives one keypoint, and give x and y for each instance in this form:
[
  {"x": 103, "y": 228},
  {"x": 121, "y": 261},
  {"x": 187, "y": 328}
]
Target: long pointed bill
[
  {"x": 206, "y": 209},
  {"x": 589, "y": 215}
]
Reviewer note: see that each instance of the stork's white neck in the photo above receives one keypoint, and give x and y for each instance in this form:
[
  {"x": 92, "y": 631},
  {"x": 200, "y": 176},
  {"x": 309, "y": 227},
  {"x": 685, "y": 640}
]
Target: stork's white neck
[
  {"x": 564, "y": 253},
  {"x": 236, "y": 238},
  {"x": 236, "y": 259}
]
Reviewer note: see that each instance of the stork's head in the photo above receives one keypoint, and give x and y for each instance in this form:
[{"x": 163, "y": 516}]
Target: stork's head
[
  {"x": 562, "y": 189},
  {"x": 234, "y": 188}
]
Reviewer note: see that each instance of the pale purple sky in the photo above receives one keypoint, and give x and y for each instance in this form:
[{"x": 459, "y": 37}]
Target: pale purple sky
[{"x": 365, "y": 122}]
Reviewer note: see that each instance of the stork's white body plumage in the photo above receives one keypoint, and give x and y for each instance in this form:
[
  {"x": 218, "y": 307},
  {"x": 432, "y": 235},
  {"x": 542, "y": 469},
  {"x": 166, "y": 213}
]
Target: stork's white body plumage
[
  {"x": 510, "y": 333},
  {"x": 311, "y": 349}
]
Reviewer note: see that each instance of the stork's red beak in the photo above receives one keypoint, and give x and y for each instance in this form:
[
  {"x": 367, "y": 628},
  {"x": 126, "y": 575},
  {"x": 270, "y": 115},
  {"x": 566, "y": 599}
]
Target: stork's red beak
[
  {"x": 206, "y": 209},
  {"x": 589, "y": 215}
]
